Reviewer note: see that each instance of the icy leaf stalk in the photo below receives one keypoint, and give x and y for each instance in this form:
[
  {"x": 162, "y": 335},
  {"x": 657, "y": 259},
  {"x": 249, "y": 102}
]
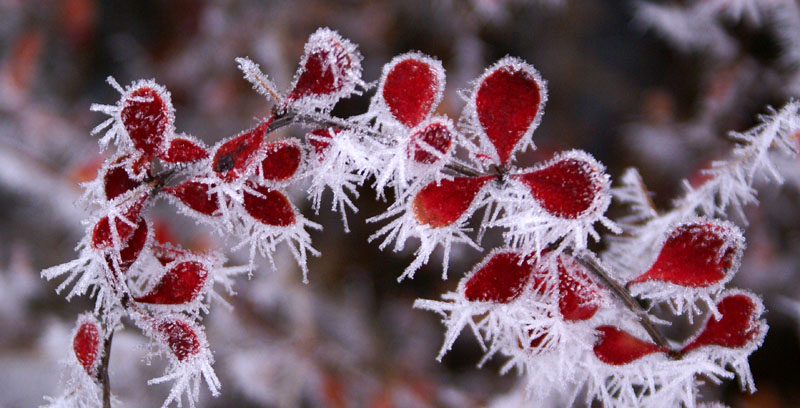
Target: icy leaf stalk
[{"x": 543, "y": 301}]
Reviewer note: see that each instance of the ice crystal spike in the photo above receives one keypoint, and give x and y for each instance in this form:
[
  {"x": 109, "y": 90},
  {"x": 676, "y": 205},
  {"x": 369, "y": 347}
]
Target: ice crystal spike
[
  {"x": 182, "y": 283},
  {"x": 577, "y": 299},
  {"x": 431, "y": 143},
  {"x": 566, "y": 187},
  {"x": 147, "y": 116},
  {"x": 508, "y": 103},
  {"x": 443, "y": 203},
  {"x": 411, "y": 87},
  {"x": 180, "y": 336},
  {"x": 282, "y": 160},
  {"x": 184, "y": 150},
  {"x": 500, "y": 278},
  {"x": 86, "y": 343},
  {"x": 195, "y": 196},
  {"x": 617, "y": 347},
  {"x": 738, "y": 326},
  {"x": 697, "y": 254},
  {"x": 320, "y": 141},
  {"x": 104, "y": 237},
  {"x": 269, "y": 207},
  {"x": 234, "y": 158},
  {"x": 330, "y": 69},
  {"x": 117, "y": 182}
]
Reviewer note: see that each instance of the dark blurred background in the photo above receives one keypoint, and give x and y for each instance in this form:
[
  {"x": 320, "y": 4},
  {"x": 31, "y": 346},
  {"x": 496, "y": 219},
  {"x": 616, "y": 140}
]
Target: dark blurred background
[{"x": 617, "y": 89}]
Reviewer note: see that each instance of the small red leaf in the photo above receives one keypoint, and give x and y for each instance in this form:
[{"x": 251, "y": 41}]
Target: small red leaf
[
  {"x": 132, "y": 248},
  {"x": 147, "y": 116},
  {"x": 195, "y": 196},
  {"x": 499, "y": 278},
  {"x": 282, "y": 160},
  {"x": 101, "y": 235},
  {"x": 617, "y": 347},
  {"x": 86, "y": 343},
  {"x": 737, "y": 327},
  {"x": 508, "y": 103},
  {"x": 696, "y": 254},
  {"x": 234, "y": 157},
  {"x": 181, "y": 337},
  {"x": 181, "y": 284},
  {"x": 577, "y": 301},
  {"x": 436, "y": 135},
  {"x": 183, "y": 150},
  {"x": 328, "y": 67},
  {"x": 272, "y": 208},
  {"x": 411, "y": 86},
  {"x": 117, "y": 182},
  {"x": 565, "y": 187},
  {"x": 440, "y": 205},
  {"x": 167, "y": 253}
]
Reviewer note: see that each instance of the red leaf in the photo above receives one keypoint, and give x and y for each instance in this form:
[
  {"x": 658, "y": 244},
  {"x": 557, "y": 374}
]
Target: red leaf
[
  {"x": 737, "y": 327},
  {"x": 326, "y": 67},
  {"x": 320, "y": 140},
  {"x": 167, "y": 253},
  {"x": 617, "y": 347},
  {"x": 181, "y": 284},
  {"x": 282, "y": 160},
  {"x": 508, "y": 103},
  {"x": 132, "y": 248},
  {"x": 234, "y": 157},
  {"x": 195, "y": 196},
  {"x": 147, "y": 116},
  {"x": 411, "y": 87},
  {"x": 577, "y": 301},
  {"x": 440, "y": 205},
  {"x": 565, "y": 187},
  {"x": 696, "y": 254},
  {"x": 86, "y": 344},
  {"x": 273, "y": 208},
  {"x": 101, "y": 235},
  {"x": 181, "y": 337},
  {"x": 117, "y": 182},
  {"x": 183, "y": 150},
  {"x": 499, "y": 278},
  {"x": 437, "y": 135}
]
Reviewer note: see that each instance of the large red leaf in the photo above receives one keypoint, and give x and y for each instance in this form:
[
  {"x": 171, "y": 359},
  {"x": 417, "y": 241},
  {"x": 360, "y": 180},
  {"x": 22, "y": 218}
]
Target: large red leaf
[
  {"x": 195, "y": 195},
  {"x": 181, "y": 284},
  {"x": 499, "y": 278},
  {"x": 617, "y": 347},
  {"x": 147, "y": 115},
  {"x": 411, "y": 86},
  {"x": 565, "y": 187},
  {"x": 270, "y": 208},
  {"x": 442, "y": 204},
  {"x": 234, "y": 157},
  {"x": 736, "y": 328},
  {"x": 282, "y": 160}
]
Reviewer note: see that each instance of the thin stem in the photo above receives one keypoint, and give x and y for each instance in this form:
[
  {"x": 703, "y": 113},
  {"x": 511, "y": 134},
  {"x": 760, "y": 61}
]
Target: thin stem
[
  {"x": 290, "y": 117},
  {"x": 102, "y": 372},
  {"x": 592, "y": 264}
]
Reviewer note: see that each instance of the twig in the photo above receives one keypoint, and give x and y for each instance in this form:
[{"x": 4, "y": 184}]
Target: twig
[
  {"x": 102, "y": 372},
  {"x": 592, "y": 264}
]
